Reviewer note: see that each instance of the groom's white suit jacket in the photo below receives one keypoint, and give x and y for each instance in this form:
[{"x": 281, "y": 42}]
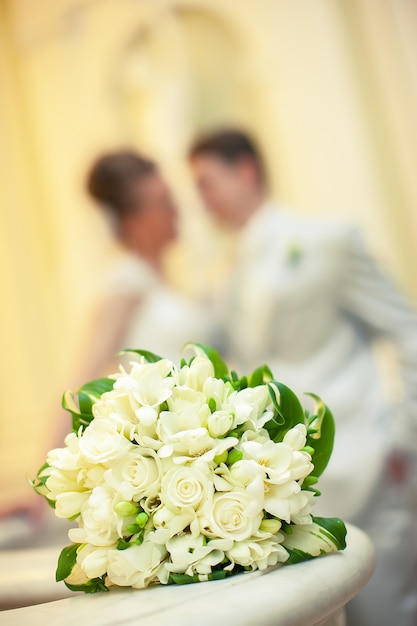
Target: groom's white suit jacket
[{"x": 307, "y": 299}]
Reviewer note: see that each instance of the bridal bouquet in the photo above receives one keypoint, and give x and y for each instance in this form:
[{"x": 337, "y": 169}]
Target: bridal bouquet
[{"x": 178, "y": 475}]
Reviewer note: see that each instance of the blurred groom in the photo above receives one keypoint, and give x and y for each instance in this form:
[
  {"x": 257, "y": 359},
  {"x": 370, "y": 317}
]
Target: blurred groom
[{"x": 305, "y": 297}]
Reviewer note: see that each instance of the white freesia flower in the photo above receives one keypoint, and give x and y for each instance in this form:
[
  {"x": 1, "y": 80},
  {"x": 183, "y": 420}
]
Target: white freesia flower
[
  {"x": 196, "y": 374},
  {"x": 219, "y": 423},
  {"x": 245, "y": 472},
  {"x": 60, "y": 481},
  {"x": 250, "y": 404},
  {"x": 169, "y": 523},
  {"x": 285, "y": 501},
  {"x": 183, "y": 430},
  {"x": 304, "y": 514},
  {"x": 137, "y": 566},
  {"x": 189, "y": 408},
  {"x": 296, "y": 437},
  {"x": 258, "y": 553},
  {"x": 77, "y": 576},
  {"x": 115, "y": 405},
  {"x": 190, "y": 555},
  {"x": 92, "y": 475},
  {"x": 279, "y": 460},
  {"x": 221, "y": 392},
  {"x": 186, "y": 487},
  {"x": 68, "y": 504},
  {"x": 93, "y": 560},
  {"x": 135, "y": 475},
  {"x": 196, "y": 444},
  {"x": 148, "y": 386},
  {"x": 232, "y": 515},
  {"x": 103, "y": 441},
  {"x": 67, "y": 458}
]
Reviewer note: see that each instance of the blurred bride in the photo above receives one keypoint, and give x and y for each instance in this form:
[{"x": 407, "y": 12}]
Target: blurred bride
[{"x": 139, "y": 310}]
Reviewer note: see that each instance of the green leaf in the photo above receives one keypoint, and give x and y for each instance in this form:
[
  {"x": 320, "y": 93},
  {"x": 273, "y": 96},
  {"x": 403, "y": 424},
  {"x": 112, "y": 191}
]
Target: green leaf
[
  {"x": 322, "y": 535},
  {"x": 219, "y": 574},
  {"x": 95, "y": 388},
  {"x": 261, "y": 375},
  {"x": 289, "y": 411},
  {"x": 220, "y": 368},
  {"x": 150, "y": 357},
  {"x": 87, "y": 395},
  {"x": 66, "y": 561},
  {"x": 234, "y": 456},
  {"x": 320, "y": 435},
  {"x": 182, "y": 579},
  {"x": 297, "y": 556},
  {"x": 92, "y": 586},
  {"x": 86, "y": 403},
  {"x": 335, "y": 528},
  {"x": 78, "y": 419}
]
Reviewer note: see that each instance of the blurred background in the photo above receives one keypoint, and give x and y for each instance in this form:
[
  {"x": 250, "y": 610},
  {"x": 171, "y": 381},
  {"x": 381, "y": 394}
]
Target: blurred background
[{"x": 328, "y": 88}]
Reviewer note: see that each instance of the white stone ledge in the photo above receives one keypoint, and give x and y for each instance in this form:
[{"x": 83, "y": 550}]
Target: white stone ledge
[{"x": 305, "y": 594}]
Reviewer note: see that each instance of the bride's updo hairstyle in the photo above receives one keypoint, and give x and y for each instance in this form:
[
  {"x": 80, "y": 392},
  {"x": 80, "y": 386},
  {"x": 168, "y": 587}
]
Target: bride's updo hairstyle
[{"x": 113, "y": 180}]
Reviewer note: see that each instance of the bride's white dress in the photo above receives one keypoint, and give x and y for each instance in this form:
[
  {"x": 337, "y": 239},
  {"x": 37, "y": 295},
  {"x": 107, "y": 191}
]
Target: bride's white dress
[{"x": 163, "y": 320}]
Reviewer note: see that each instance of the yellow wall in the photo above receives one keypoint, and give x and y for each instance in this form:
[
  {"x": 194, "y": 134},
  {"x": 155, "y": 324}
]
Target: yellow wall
[{"x": 329, "y": 87}]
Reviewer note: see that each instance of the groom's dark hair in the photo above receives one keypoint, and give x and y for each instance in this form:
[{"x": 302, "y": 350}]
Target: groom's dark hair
[{"x": 230, "y": 145}]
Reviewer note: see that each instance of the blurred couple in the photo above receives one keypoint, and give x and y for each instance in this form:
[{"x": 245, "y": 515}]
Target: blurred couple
[{"x": 304, "y": 296}]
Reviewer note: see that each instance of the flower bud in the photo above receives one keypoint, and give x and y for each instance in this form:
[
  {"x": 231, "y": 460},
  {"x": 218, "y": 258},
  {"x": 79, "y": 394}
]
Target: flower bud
[
  {"x": 221, "y": 458},
  {"x": 270, "y": 526},
  {"x": 132, "y": 528},
  {"x": 234, "y": 456},
  {"x": 125, "y": 509},
  {"x": 142, "y": 519}
]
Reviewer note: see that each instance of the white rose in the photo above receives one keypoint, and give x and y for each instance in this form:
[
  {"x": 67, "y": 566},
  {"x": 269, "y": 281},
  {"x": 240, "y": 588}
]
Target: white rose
[
  {"x": 219, "y": 423},
  {"x": 136, "y": 475},
  {"x": 92, "y": 560},
  {"x": 186, "y": 487},
  {"x": 137, "y": 566},
  {"x": 226, "y": 516},
  {"x": 99, "y": 524},
  {"x": 102, "y": 441}
]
